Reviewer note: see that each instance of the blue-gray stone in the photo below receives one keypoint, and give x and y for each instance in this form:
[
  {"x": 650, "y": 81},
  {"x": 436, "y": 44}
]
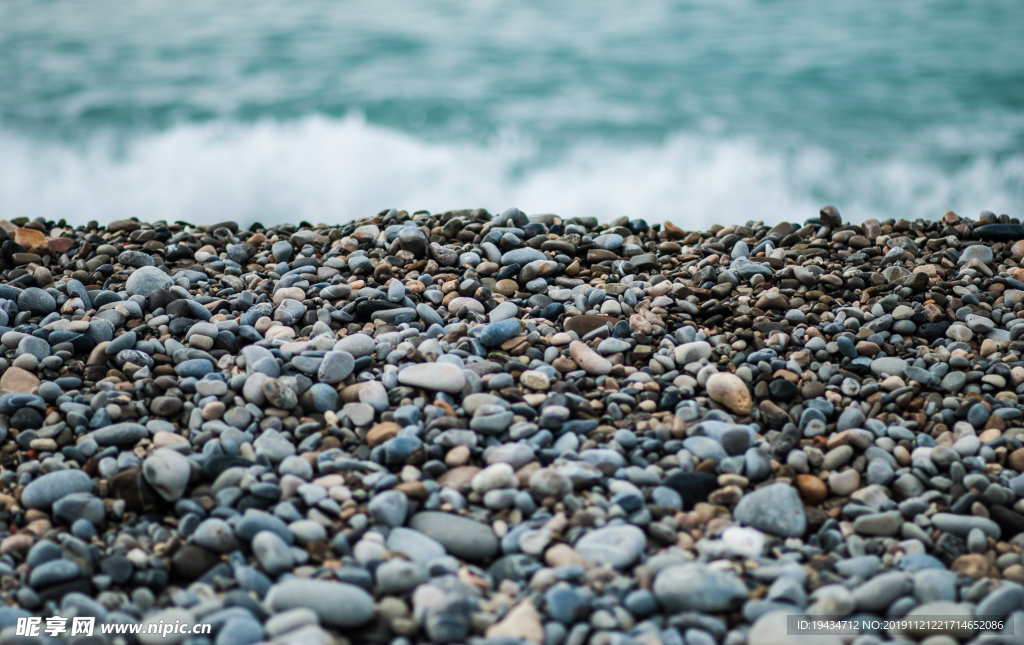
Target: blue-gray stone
[
  {"x": 53, "y": 572},
  {"x": 43, "y": 491},
  {"x": 522, "y": 256},
  {"x": 498, "y": 332},
  {"x": 194, "y": 367},
  {"x": 120, "y": 434}
]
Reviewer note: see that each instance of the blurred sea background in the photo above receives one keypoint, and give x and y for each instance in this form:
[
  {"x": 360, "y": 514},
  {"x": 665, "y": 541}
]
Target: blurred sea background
[{"x": 695, "y": 111}]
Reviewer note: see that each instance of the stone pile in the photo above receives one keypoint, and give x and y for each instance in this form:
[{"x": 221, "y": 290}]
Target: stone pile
[{"x": 466, "y": 428}]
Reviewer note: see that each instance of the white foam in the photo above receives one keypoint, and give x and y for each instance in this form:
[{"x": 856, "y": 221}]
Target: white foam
[{"x": 324, "y": 170}]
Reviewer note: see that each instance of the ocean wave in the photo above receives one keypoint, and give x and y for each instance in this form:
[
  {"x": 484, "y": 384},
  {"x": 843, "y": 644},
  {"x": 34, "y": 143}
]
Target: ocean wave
[{"x": 329, "y": 170}]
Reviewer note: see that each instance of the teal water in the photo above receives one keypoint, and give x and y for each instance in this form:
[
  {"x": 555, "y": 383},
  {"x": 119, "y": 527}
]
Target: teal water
[{"x": 695, "y": 111}]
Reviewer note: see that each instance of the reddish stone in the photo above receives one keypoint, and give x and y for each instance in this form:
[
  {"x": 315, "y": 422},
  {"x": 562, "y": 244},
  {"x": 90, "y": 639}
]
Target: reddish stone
[{"x": 59, "y": 245}]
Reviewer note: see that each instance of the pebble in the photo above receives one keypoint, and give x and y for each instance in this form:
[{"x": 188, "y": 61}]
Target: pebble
[
  {"x": 444, "y": 377},
  {"x": 774, "y": 509},
  {"x": 620, "y": 546},
  {"x": 730, "y": 391},
  {"x": 168, "y": 472},
  {"x": 462, "y": 537},
  {"x": 613, "y": 423},
  {"x": 697, "y": 587},
  {"x": 43, "y": 491},
  {"x": 337, "y": 604}
]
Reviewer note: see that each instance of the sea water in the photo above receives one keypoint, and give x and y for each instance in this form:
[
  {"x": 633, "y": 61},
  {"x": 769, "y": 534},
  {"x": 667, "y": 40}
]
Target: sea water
[{"x": 695, "y": 111}]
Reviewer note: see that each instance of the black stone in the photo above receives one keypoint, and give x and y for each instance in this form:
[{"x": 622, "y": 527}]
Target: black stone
[
  {"x": 782, "y": 390},
  {"x": 1011, "y": 522},
  {"x": 693, "y": 487},
  {"x": 26, "y": 418},
  {"x": 933, "y": 331},
  {"x": 999, "y": 232}
]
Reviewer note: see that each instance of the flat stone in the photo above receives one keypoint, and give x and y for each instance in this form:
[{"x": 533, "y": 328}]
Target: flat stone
[
  {"x": 697, "y": 587},
  {"x": 774, "y": 509},
  {"x": 145, "y": 280},
  {"x": 444, "y": 377},
  {"x": 168, "y": 472},
  {"x": 618, "y": 545},
  {"x": 462, "y": 537},
  {"x": 730, "y": 391},
  {"x": 336, "y": 603},
  {"x": 43, "y": 491}
]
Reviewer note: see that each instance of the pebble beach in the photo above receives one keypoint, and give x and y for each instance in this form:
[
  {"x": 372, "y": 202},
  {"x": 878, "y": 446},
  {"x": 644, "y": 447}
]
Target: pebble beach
[{"x": 467, "y": 427}]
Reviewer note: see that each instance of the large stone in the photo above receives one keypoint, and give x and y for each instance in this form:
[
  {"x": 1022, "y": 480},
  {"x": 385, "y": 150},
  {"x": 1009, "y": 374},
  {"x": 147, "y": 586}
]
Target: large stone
[
  {"x": 445, "y": 377},
  {"x": 19, "y": 381},
  {"x": 774, "y": 509},
  {"x": 589, "y": 360},
  {"x": 729, "y": 390},
  {"x": 167, "y": 471},
  {"x": 145, "y": 280},
  {"x": 619, "y": 545},
  {"x": 43, "y": 491},
  {"x": 697, "y": 587},
  {"x": 462, "y": 537},
  {"x": 336, "y": 603}
]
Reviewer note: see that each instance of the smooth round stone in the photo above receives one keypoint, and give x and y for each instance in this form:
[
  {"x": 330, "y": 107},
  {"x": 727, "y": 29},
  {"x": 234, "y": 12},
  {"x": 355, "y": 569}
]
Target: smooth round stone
[
  {"x": 279, "y": 394},
  {"x": 389, "y": 508},
  {"x": 79, "y": 506},
  {"x": 360, "y": 413},
  {"x": 844, "y": 483},
  {"x": 978, "y": 252},
  {"x": 416, "y": 545},
  {"x": 358, "y": 345},
  {"x": 36, "y": 347},
  {"x": 521, "y": 257},
  {"x": 887, "y": 523},
  {"x": 335, "y": 603},
  {"x": 730, "y": 390},
  {"x": 37, "y": 301},
  {"x": 43, "y": 491},
  {"x": 168, "y": 472},
  {"x": 147, "y": 279},
  {"x": 504, "y": 311},
  {"x": 618, "y": 545},
  {"x": 165, "y": 406},
  {"x": 240, "y": 631},
  {"x": 444, "y": 377},
  {"x": 321, "y": 397},
  {"x": 774, "y": 509},
  {"x": 215, "y": 535},
  {"x": 282, "y": 251},
  {"x": 462, "y": 537},
  {"x": 782, "y": 390},
  {"x": 590, "y": 361},
  {"x": 399, "y": 576},
  {"x": 472, "y": 304},
  {"x": 272, "y": 552},
  {"x": 497, "y": 333},
  {"x": 195, "y": 367},
  {"x": 697, "y": 587},
  {"x": 335, "y": 367},
  {"x": 889, "y": 365},
  {"x": 772, "y": 628},
  {"x": 961, "y": 525},
  {"x": 535, "y": 380},
  {"x": 53, "y": 572},
  {"x": 274, "y": 445}
]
